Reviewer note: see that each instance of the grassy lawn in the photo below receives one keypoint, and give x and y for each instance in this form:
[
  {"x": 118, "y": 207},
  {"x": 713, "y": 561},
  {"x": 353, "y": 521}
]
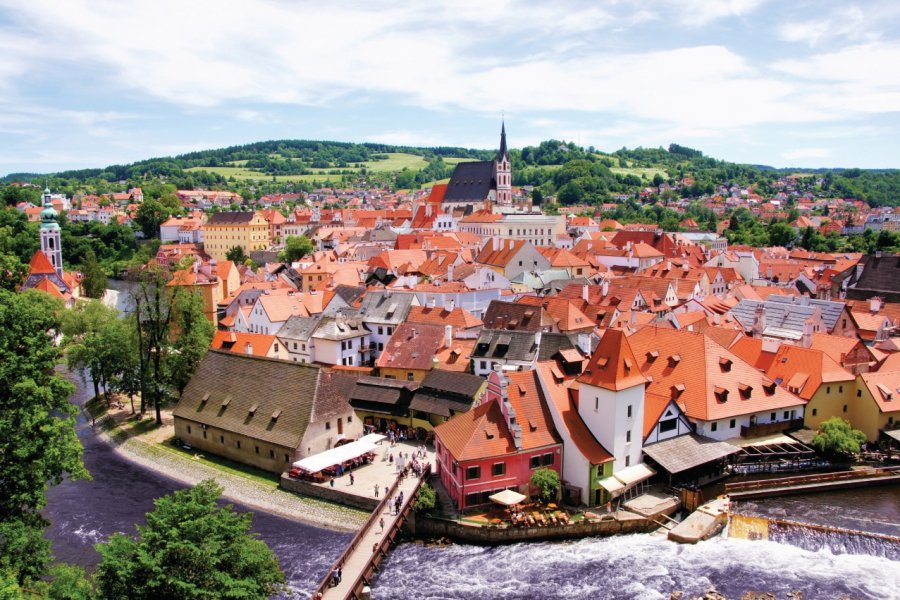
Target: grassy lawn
[
  {"x": 224, "y": 464},
  {"x": 647, "y": 173},
  {"x": 396, "y": 161}
]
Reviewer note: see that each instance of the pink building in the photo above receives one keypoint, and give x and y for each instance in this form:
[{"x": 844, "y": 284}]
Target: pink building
[{"x": 498, "y": 444}]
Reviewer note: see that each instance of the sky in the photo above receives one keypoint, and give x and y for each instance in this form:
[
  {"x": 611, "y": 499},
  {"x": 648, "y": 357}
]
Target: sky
[{"x": 88, "y": 83}]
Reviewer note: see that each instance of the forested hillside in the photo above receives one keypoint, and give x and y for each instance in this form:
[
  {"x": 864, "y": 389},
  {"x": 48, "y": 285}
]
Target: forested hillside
[{"x": 571, "y": 173}]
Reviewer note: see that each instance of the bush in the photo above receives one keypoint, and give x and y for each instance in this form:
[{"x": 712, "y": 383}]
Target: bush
[
  {"x": 837, "y": 439},
  {"x": 427, "y": 499},
  {"x": 547, "y": 481}
]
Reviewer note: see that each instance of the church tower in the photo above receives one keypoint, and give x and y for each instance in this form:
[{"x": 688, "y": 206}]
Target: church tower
[
  {"x": 503, "y": 171},
  {"x": 50, "y": 240}
]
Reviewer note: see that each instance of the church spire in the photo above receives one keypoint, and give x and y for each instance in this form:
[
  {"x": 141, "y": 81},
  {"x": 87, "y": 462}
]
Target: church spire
[{"x": 503, "y": 152}]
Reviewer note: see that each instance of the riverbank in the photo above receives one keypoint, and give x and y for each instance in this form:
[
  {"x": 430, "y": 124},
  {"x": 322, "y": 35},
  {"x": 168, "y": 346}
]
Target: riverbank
[{"x": 143, "y": 443}]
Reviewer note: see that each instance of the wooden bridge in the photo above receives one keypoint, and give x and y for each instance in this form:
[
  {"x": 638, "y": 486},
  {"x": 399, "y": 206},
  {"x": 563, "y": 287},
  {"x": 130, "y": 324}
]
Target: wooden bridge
[
  {"x": 371, "y": 544},
  {"x": 804, "y": 484}
]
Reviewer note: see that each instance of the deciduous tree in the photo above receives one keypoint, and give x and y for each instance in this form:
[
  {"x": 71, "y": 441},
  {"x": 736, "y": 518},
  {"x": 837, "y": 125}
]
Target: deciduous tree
[
  {"x": 189, "y": 548},
  {"x": 94, "y": 282}
]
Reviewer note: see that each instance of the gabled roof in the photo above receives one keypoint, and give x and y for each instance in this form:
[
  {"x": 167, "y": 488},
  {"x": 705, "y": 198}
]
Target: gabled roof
[
  {"x": 412, "y": 346},
  {"x": 707, "y": 381},
  {"x": 885, "y": 388},
  {"x": 230, "y": 218},
  {"x": 458, "y": 317},
  {"x": 256, "y": 344},
  {"x": 471, "y": 182},
  {"x": 40, "y": 264},
  {"x": 505, "y": 345},
  {"x": 242, "y": 394},
  {"x": 501, "y": 253},
  {"x": 386, "y": 307},
  {"x": 613, "y": 365},
  {"x": 803, "y": 370},
  {"x": 516, "y": 317},
  {"x": 562, "y": 393},
  {"x": 479, "y": 433},
  {"x": 532, "y": 413}
]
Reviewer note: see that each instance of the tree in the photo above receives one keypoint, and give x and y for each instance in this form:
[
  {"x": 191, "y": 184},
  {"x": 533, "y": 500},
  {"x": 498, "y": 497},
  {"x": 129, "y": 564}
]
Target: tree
[
  {"x": 97, "y": 343},
  {"x": 94, "y": 282},
  {"x": 12, "y": 272},
  {"x": 189, "y": 548},
  {"x": 836, "y": 438},
  {"x": 236, "y": 255},
  {"x": 781, "y": 234},
  {"x": 150, "y": 215},
  {"x": 426, "y": 500},
  {"x": 38, "y": 442},
  {"x": 194, "y": 332},
  {"x": 296, "y": 248},
  {"x": 68, "y": 582},
  {"x": 547, "y": 482}
]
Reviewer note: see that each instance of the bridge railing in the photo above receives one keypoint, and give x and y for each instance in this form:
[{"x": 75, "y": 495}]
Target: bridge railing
[{"x": 370, "y": 522}]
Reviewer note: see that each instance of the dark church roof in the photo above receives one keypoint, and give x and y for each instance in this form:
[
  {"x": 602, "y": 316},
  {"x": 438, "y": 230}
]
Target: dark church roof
[
  {"x": 880, "y": 277},
  {"x": 471, "y": 182}
]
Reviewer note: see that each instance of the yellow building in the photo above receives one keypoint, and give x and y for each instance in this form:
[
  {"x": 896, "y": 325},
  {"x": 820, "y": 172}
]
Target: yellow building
[
  {"x": 878, "y": 406},
  {"x": 213, "y": 281},
  {"x": 226, "y": 230}
]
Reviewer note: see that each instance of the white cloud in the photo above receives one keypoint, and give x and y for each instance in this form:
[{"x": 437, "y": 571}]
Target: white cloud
[
  {"x": 697, "y": 13},
  {"x": 806, "y": 153}
]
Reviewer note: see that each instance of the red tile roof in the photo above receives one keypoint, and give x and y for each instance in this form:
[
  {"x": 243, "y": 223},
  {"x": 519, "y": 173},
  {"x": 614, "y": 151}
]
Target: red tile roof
[
  {"x": 478, "y": 433},
  {"x": 613, "y": 365},
  {"x": 40, "y": 264}
]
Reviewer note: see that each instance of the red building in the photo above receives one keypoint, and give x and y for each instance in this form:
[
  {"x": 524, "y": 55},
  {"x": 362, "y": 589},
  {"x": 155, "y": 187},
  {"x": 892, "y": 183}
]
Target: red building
[{"x": 498, "y": 444}]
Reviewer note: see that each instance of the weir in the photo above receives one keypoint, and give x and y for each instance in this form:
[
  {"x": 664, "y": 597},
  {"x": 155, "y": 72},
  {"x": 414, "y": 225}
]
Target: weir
[
  {"x": 371, "y": 545},
  {"x": 803, "y": 484}
]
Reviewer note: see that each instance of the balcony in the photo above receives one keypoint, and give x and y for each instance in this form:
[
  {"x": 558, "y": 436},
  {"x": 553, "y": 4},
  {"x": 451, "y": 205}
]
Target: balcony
[{"x": 762, "y": 429}]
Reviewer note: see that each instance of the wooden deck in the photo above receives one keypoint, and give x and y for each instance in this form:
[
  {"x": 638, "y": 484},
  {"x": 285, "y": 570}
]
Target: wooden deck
[
  {"x": 803, "y": 484},
  {"x": 371, "y": 544}
]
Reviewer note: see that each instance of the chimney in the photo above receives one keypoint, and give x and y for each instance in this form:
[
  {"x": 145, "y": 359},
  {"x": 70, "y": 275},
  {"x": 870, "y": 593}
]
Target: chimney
[
  {"x": 806, "y": 339},
  {"x": 249, "y": 348},
  {"x": 432, "y": 303},
  {"x": 448, "y": 336},
  {"x": 450, "y": 272},
  {"x": 584, "y": 293},
  {"x": 604, "y": 287},
  {"x": 759, "y": 320},
  {"x": 537, "y": 338},
  {"x": 875, "y": 304}
]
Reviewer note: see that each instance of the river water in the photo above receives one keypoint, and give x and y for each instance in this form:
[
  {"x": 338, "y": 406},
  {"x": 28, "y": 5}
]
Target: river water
[{"x": 647, "y": 566}]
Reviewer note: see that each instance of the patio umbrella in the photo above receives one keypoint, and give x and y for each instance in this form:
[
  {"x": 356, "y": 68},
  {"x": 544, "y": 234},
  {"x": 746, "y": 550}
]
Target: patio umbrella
[{"x": 507, "y": 498}]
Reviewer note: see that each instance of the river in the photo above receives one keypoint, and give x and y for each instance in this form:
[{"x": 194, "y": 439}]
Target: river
[
  {"x": 82, "y": 513},
  {"x": 634, "y": 566}
]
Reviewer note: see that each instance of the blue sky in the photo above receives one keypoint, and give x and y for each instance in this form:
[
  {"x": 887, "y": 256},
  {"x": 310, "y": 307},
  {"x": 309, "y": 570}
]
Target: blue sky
[{"x": 86, "y": 83}]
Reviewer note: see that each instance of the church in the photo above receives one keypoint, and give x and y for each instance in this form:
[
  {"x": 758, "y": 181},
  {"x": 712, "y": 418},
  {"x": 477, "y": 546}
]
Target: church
[
  {"x": 474, "y": 184},
  {"x": 45, "y": 271}
]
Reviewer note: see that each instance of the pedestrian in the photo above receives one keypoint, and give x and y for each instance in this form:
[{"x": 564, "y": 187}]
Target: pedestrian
[
  {"x": 340, "y": 573},
  {"x": 381, "y": 523},
  {"x": 376, "y": 490},
  {"x": 331, "y": 483},
  {"x": 351, "y": 478},
  {"x": 609, "y": 507},
  {"x": 374, "y": 547}
]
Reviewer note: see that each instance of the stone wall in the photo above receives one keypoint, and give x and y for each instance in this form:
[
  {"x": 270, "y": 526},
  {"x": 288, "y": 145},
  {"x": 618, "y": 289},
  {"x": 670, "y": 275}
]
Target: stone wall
[{"x": 305, "y": 488}]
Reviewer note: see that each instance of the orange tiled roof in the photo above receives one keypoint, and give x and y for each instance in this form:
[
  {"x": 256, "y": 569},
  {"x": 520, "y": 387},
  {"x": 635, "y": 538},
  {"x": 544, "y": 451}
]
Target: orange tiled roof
[
  {"x": 707, "y": 381},
  {"x": 562, "y": 392},
  {"x": 613, "y": 365},
  {"x": 803, "y": 370},
  {"x": 478, "y": 433},
  {"x": 40, "y": 264},
  {"x": 885, "y": 388},
  {"x": 458, "y": 317},
  {"x": 532, "y": 413}
]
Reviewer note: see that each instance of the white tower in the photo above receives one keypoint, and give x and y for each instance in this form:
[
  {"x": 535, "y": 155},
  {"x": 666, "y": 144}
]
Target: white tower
[
  {"x": 50, "y": 240},
  {"x": 503, "y": 171}
]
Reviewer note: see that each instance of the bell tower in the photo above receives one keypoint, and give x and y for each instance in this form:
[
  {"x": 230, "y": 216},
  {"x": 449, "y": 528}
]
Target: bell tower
[
  {"x": 50, "y": 234},
  {"x": 503, "y": 170}
]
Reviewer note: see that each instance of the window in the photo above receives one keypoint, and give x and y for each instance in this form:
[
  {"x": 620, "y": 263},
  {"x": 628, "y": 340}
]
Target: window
[
  {"x": 732, "y": 423},
  {"x": 483, "y": 364},
  {"x": 287, "y": 458},
  {"x": 773, "y": 417},
  {"x": 189, "y": 428},
  {"x": 327, "y": 425},
  {"x": 840, "y": 389},
  {"x": 350, "y": 419},
  {"x": 276, "y": 347},
  {"x": 627, "y": 461},
  {"x": 815, "y": 411},
  {"x": 498, "y": 469},
  {"x": 547, "y": 459},
  {"x": 787, "y": 415},
  {"x": 714, "y": 426},
  {"x": 668, "y": 425},
  {"x": 257, "y": 449},
  {"x": 271, "y": 454},
  {"x": 473, "y": 473},
  {"x": 628, "y": 437},
  {"x": 381, "y": 331},
  {"x": 535, "y": 462},
  {"x": 472, "y": 499},
  {"x": 596, "y": 404},
  {"x": 859, "y": 393},
  {"x": 828, "y": 389},
  {"x": 221, "y": 439},
  {"x": 237, "y": 444},
  {"x": 629, "y": 411},
  {"x": 295, "y": 345},
  {"x": 845, "y": 408},
  {"x": 204, "y": 434}
]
